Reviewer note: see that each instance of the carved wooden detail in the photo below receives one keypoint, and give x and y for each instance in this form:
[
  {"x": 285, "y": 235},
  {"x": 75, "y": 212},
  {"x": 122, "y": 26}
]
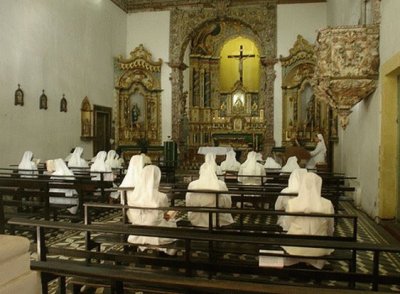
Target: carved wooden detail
[
  {"x": 302, "y": 115},
  {"x": 347, "y": 67},
  {"x": 138, "y": 98},
  {"x": 258, "y": 23}
]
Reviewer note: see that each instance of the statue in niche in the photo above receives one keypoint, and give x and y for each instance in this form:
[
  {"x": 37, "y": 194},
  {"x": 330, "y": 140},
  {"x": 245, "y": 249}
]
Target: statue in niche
[
  {"x": 310, "y": 112},
  {"x": 254, "y": 108},
  {"x": 135, "y": 113},
  {"x": 238, "y": 102},
  {"x": 223, "y": 108}
]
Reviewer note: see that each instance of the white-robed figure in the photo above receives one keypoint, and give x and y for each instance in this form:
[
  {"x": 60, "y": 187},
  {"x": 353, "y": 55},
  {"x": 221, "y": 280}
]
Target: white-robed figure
[
  {"x": 318, "y": 154},
  {"x": 293, "y": 187},
  {"x": 132, "y": 176},
  {"x": 27, "y": 166},
  {"x": 62, "y": 172},
  {"x": 99, "y": 166},
  {"x": 309, "y": 200},
  {"x": 291, "y": 165},
  {"x": 210, "y": 158},
  {"x": 76, "y": 160},
  {"x": 251, "y": 168},
  {"x": 208, "y": 180},
  {"x": 146, "y": 194},
  {"x": 230, "y": 163},
  {"x": 112, "y": 159},
  {"x": 272, "y": 164}
]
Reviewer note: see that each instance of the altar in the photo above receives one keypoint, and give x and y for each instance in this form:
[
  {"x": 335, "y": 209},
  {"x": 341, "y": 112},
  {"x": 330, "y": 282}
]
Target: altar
[{"x": 214, "y": 150}]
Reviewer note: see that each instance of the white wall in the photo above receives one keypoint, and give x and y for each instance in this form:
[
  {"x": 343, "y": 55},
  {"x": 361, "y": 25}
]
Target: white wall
[
  {"x": 62, "y": 46},
  {"x": 390, "y": 24},
  {"x": 293, "y": 20},
  {"x": 357, "y": 152},
  {"x": 152, "y": 30}
]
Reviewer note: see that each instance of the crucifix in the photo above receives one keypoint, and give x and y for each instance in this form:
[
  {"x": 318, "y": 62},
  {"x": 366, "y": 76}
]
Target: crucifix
[{"x": 241, "y": 56}]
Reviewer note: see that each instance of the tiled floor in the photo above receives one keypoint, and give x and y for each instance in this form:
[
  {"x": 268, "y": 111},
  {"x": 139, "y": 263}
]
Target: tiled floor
[{"x": 368, "y": 231}]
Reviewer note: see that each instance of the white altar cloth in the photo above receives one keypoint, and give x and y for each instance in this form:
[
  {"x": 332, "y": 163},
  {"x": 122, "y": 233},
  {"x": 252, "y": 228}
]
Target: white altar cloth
[{"x": 215, "y": 150}]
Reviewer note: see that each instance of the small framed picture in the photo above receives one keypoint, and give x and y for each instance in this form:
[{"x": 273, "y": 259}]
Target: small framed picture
[
  {"x": 63, "y": 104},
  {"x": 43, "y": 101},
  {"x": 19, "y": 96}
]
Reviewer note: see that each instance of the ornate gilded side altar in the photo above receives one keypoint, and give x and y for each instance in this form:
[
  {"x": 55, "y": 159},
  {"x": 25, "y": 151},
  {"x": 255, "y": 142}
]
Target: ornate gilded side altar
[
  {"x": 303, "y": 115},
  {"x": 138, "y": 98}
]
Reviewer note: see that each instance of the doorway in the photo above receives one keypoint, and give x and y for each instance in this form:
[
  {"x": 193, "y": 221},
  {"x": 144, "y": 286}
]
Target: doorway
[{"x": 102, "y": 128}]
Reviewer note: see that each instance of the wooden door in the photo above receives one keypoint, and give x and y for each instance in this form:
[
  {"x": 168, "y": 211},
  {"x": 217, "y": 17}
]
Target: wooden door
[{"x": 102, "y": 128}]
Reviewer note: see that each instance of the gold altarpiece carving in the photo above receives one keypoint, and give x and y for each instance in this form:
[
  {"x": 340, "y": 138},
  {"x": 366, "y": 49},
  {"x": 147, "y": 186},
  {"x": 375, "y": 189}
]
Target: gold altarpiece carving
[
  {"x": 303, "y": 115},
  {"x": 259, "y": 23},
  {"x": 138, "y": 98},
  {"x": 232, "y": 117}
]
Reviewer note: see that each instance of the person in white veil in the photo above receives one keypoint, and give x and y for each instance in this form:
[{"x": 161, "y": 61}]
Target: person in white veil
[
  {"x": 230, "y": 163},
  {"x": 146, "y": 194},
  {"x": 318, "y": 154},
  {"x": 62, "y": 170},
  {"x": 69, "y": 155},
  {"x": 291, "y": 165},
  {"x": 251, "y": 168},
  {"x": 309, "y": 200},
  {"x": 210, "y": 158},
  {"x": 132, "y": 176},
  {"x": 208, "y": 180},
  {"x": 112, "y": 159},
  {"x": 100, "y": 166},
  {"x": 293, "y": 187},
  {"x": 270, "y": 163},
  {"x": 76, "y": 160},
  {"x": 27, "y": 166}
]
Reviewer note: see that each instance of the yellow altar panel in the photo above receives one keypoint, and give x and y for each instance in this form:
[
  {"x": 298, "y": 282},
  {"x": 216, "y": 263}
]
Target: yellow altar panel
[{"x": 229, "y": 67}]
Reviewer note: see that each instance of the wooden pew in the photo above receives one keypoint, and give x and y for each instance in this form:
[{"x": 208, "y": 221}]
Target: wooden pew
[
  {"x": 30, "y": 196},
  {"x": 118, "y": 272}
]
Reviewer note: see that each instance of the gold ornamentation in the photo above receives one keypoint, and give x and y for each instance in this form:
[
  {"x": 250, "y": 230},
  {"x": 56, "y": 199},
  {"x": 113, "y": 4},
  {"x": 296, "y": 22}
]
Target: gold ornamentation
[
  {"x": 347, "y": 67},
  {"x": 139, "y": 98}
]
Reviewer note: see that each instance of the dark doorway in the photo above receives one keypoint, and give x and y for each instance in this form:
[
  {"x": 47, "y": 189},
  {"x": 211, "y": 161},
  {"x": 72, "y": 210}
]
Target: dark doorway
[{"x": 102, "y": 128}]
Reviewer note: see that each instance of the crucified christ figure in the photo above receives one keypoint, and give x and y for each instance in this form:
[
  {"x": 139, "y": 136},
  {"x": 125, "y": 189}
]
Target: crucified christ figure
[{"x": 241, "y": 57}]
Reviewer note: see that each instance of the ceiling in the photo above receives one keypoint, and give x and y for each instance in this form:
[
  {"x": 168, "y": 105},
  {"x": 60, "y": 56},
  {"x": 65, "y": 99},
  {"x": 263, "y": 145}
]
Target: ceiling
[{"x": 152, "y": 5}]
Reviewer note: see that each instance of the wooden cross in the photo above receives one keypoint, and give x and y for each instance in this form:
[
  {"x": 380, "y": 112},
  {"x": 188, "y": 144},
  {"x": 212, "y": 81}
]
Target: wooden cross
[{"x": 241, "y": 56}]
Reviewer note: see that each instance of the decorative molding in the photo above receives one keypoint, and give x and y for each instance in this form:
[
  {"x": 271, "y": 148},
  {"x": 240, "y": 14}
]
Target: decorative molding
[{"x": 347, "y": 66}]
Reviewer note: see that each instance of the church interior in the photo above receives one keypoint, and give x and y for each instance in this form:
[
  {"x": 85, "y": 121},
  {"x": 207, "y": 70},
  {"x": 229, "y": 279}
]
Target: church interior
[{"x": 178, "y": 80}]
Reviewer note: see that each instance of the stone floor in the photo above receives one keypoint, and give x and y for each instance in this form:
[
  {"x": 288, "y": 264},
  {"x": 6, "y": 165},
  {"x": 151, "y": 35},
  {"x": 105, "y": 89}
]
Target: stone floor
[{"x": 368, "y": 231}]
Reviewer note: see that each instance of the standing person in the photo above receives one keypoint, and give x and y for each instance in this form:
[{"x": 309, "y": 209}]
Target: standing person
[
  {"x": 318, "y": 155},
  {"x": 309, "y": 200},
  {"x": 146, "y": 195},
  {"x": 208, "y": 180}
]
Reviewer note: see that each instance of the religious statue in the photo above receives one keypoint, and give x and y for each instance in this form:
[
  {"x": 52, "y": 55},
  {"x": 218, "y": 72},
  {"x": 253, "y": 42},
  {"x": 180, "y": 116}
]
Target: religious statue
[
  {"x": 241, "y": 57},
  {"x": 238, "y": 102},
  {"x": 135, "y": 113}
]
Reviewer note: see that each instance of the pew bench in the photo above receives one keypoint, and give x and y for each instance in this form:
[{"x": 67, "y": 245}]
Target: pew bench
[{"x": 112, "y": 266}]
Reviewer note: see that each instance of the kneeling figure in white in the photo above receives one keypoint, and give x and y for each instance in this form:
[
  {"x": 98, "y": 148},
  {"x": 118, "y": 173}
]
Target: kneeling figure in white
[
  {"x": 146, "y": 194},
  {"x": 309, "y": 200}
]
